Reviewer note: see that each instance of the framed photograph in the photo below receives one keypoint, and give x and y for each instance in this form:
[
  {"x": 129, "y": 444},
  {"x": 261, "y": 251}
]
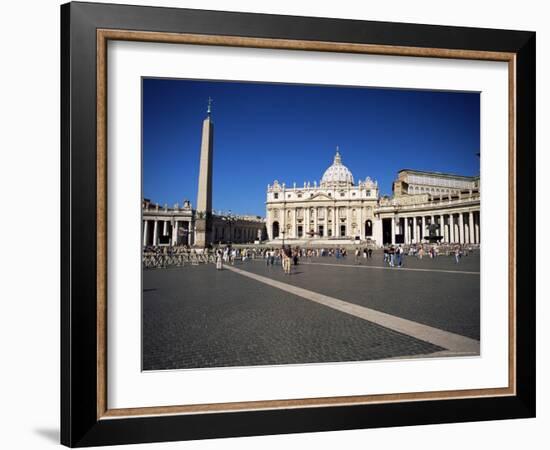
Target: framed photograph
[{"x": 277, "y": 224}]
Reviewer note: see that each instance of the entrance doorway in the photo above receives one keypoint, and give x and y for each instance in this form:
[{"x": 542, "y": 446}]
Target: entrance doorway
[
  {"x": 386, "y": 231},
  {"x": 342, "y": 230},
  {"x": 275, "y": 230},
  {"x": 368, "y": 228}
]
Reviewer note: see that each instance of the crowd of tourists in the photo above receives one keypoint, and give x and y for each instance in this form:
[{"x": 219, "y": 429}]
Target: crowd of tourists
[
  {"x": 288, "y": 256},
  {"x": 393, "y": 254}
]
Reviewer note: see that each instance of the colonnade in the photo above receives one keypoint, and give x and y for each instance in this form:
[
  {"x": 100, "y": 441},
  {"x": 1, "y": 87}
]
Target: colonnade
[
  {"x": 234, "y": 233},
  {"x": 153, "y": 229},
  {"x": 457, "y": 227}
]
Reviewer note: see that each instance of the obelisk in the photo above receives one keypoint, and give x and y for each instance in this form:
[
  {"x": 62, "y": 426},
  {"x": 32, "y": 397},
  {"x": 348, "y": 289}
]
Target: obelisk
[{"x": 203, "y": 220}]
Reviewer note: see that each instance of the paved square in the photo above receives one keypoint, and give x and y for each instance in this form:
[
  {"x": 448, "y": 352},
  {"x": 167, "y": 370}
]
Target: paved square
[{"x": 328, "y": 310}]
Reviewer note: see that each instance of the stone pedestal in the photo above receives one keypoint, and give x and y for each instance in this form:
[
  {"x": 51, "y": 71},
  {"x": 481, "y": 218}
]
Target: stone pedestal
[{"x": 203, "y": 232}]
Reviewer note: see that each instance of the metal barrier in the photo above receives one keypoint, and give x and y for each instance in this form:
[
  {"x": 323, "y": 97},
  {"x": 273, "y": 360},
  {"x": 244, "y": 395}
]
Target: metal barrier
[{"x": 152, "y": 260}]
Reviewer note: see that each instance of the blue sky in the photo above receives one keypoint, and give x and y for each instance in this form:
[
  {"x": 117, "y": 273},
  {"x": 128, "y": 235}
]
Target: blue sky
[{"x": 287, "y": 132}]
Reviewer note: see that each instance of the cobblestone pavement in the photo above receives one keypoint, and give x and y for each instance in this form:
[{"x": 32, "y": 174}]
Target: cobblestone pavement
[
  {"x": 446, "y": 300},
  {"x": 199, "y": 317}
]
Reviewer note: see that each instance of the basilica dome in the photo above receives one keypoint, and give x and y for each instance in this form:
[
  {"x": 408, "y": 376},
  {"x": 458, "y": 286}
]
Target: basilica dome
[{"x": 337, "y": 175}]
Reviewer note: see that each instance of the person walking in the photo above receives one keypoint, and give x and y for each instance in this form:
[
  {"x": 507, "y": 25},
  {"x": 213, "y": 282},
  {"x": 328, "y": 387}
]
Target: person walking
[
  {"x": 457, "y": 254},
  {"x": 399, "y": 255},
  {"x": 219, "y": 260},
  {"x": 287, "y": 255}
]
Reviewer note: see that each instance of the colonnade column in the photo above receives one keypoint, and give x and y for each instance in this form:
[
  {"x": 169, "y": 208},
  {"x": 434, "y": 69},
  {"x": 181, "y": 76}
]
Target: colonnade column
[
  {"x": 461, "y": 228},
  {"x": 393, "y": 230},
  {"x": 145, "y": 232},
  {"x": 477, "y": 225},
  {"x": 452, "y": 227},
  {"x": 175, "y": 233},
  {"x": 423, "y": 234},
  {"x": 414, "y": 230},
  {"x": 406, "y": 230},
  {"x": 471, "y": 226},
  {"x": 156, "y": 232}
]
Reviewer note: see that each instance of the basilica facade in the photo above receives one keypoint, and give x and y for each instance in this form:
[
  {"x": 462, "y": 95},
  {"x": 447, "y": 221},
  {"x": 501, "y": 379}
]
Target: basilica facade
[{"x": 425, "y": 206}]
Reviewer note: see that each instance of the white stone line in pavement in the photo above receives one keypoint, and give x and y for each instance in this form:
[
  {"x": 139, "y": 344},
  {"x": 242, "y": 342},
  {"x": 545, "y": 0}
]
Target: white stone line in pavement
[
  {"x": 449, "y": 341},
  {"x": 359, "y": 266}
]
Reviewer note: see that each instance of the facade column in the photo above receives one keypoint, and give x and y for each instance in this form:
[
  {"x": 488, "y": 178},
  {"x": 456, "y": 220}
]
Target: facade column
[
  {"x": 156, "y": 233},
  {"x": 316, "y": 219},
  {"x": 362, "y": 230},
  {"x": 145, "y": 232},
  {"x": 282, "y": 226},
  {"x": 325, "y": 221},
  {"x": 333, "y": 222},
  {"x": 461, "y": 228},
  {"x": 348, "y": 221},
  {"x": 471, "y": 226},
  {"x": 294, "y": 224},
  {"x": 393, "y": 230},
  {"x": 175, "y": 233},
  {"x": 268, "y": 223}
]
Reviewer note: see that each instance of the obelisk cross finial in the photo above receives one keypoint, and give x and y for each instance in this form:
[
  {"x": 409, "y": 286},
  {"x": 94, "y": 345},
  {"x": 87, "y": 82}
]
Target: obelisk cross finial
[{"x": 209, "y": 110}]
